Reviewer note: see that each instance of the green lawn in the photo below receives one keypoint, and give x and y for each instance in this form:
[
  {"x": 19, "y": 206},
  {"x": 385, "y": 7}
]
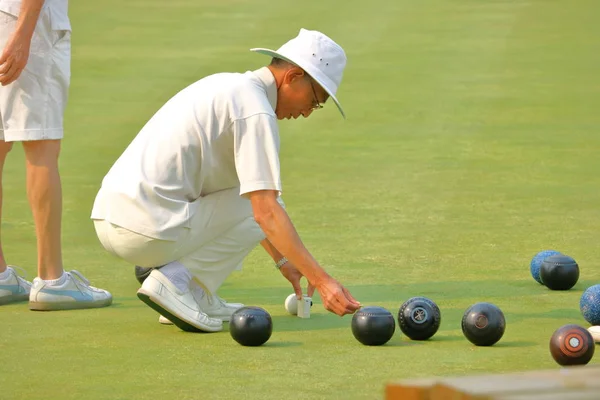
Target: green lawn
[{"x": 471, "y": 143}]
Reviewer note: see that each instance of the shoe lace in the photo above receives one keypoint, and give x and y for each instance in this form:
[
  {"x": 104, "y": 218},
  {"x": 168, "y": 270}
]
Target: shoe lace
[
  {"x": 22, "y": 274},
  {"x": 82, "y": 280}
]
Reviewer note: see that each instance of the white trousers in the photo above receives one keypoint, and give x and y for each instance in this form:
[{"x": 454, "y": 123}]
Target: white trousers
[{"x": 222, "y": 234}]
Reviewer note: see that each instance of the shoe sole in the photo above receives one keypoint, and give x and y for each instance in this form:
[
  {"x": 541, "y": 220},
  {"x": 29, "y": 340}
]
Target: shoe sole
[
  {"x": 184, "y": 325},
  {"x": 68, "y": 305},
  {"x": 13, "y": 298},
  {"x": 224, "y": 319}
]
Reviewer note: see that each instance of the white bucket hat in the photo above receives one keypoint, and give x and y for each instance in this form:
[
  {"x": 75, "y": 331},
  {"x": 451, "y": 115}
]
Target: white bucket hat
[{"x": 322, "y": 58}]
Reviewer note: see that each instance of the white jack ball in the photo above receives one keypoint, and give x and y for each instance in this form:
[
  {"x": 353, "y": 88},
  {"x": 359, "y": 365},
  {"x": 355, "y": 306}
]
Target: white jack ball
[{"x": 291, "y": 304}]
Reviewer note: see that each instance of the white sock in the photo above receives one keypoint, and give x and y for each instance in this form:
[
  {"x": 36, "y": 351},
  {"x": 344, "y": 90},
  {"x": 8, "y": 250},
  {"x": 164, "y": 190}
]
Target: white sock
[
  {"x": 4, "y": 275},
  {"x": 56, "y": 282},
  {"x": 178, "y": 274}
]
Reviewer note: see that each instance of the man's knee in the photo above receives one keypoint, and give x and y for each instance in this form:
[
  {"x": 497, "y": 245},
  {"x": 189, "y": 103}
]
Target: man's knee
[{"x": 41, "y": 152}]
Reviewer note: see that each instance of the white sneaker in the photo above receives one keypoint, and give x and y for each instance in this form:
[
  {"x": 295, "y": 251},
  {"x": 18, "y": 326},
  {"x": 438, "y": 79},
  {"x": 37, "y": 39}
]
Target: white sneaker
[
  {"x": 221, "y": 310},
  {"x": 14, "y": 288},
  {"x": 237, "y": 306},
  {"x": 74, "y": 293},
  {"x": 181, "y": 308},
  {"x": 216, "y": 307}
]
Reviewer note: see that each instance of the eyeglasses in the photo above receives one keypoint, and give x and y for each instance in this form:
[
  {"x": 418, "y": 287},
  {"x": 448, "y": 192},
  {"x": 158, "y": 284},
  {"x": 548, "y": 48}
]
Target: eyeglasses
[{"x": 316, "y": 105}]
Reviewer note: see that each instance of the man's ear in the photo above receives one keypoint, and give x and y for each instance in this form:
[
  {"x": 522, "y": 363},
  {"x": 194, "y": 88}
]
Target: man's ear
[{"x": 293, "y": 74}]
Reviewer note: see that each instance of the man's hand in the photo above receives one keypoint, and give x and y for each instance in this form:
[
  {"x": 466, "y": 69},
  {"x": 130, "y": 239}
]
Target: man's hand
[
  {"x": 337, "y": 298},
  {"x": 16, "y": 51},
  {"x": 14, "y": 58}
]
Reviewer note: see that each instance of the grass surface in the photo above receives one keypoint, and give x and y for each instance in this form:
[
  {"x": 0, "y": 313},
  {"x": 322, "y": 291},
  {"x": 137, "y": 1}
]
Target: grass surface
[{"x": 471, "y": 143}]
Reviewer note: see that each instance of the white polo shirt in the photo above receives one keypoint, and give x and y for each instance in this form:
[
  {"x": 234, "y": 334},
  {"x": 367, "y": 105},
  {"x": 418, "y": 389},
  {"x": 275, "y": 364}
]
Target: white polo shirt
[
  {"x": 58, "y": 11},
  {"x": 218, "y": 133}
]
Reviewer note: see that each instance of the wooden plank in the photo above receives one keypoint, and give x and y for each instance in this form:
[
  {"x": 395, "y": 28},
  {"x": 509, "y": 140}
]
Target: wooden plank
[
  {"x": 410, "y": 389},
  {"x": 589, "y": 394},
  {"x": 533, "y": 382},
  {"x": 483, "y": 386}
]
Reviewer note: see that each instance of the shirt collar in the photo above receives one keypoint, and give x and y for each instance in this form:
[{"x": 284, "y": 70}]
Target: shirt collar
[{"x": 266, "y": 77}]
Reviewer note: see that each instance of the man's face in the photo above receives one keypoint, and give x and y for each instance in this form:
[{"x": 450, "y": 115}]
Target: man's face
[{"x": 298, "y": 95}]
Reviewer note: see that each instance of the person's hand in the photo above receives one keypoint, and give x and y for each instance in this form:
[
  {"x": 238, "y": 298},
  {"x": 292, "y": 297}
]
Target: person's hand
[
  {"x": 14, "y": 58},
  {"x": 337, "y": 298},
  {"x": 289, "y": 271}
]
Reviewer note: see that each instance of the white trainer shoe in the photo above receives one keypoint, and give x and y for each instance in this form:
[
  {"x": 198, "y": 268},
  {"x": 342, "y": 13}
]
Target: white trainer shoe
[
  {"x": 181, "y": 308},
  {"x": 14, "y": 288},
  {"x": 221, "y": 310},
  {"x": 216, "y": 307},
  {"x": 74, "y": 293}
]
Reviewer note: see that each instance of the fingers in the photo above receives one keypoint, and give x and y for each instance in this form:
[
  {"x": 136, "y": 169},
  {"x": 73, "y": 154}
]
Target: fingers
[
  {"x": 4, "y": 69},
  {"x": 11, "y": 66},
  {"x": 343, "y": 303},
  {"x": 335, "y": 307},
  {"x": 12, "y": 75},
  {"x": 293, "y": 276},
  {"x": 351, "y": 298},
  {"x": 4, "y": 63},
  {"x": 9, "y": 72},
  {"x": 16, "y": 75},
  {"x": 297, "y": 289},
  {"x": 337, "y": 299},
  {"x": 330, "y": 302},
  {"x": 348, "y": 307},
  {"x": 295, "y": 281},
  {"x": 310, "y": 290},
  {"x": 339, "y": 305}
]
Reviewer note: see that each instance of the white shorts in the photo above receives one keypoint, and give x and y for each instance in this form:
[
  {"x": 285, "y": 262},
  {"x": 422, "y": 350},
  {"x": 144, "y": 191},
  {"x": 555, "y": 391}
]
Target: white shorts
[{"x": 33, "y": 106}]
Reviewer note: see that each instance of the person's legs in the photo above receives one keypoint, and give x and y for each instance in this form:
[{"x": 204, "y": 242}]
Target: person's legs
[
  {"x": 32, "y": 110},
  {"x": 53, "y": 289},
  {"x": 222, "y": 233},
  {"x": 212, "y": 263},
  {"x": 168, "y": 297},
  {"x": 45, "y": 198},
  {"x": 5, "y": 147},
  {"x": 12, "y": 287}
]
